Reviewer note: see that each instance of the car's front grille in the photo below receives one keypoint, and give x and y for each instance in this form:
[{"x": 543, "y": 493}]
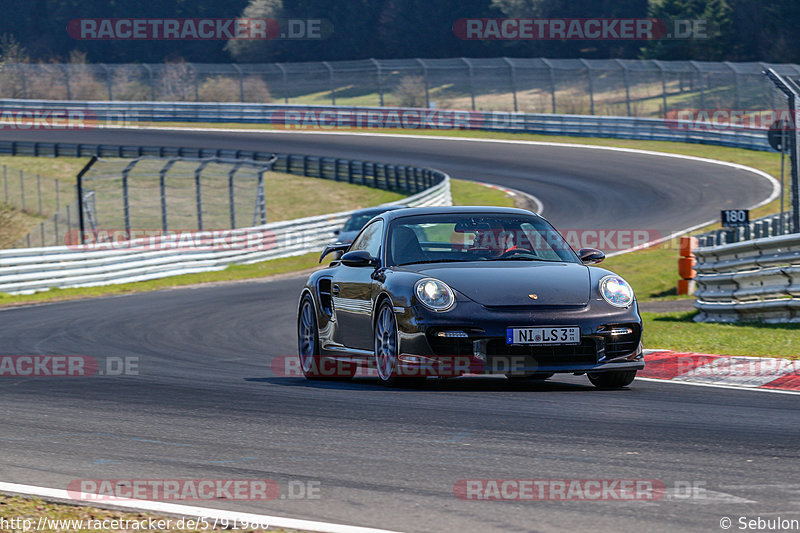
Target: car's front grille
[{"x": 583, "y": 353}]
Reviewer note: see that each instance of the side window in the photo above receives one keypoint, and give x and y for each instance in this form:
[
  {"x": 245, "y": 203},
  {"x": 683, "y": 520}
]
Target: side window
[{"x": 370, "y": 239}]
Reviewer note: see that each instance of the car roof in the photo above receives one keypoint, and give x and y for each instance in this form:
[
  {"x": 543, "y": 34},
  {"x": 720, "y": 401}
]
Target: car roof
[
  {"x": 377, "y": 210},
  {"x": 450, "y": 210}
]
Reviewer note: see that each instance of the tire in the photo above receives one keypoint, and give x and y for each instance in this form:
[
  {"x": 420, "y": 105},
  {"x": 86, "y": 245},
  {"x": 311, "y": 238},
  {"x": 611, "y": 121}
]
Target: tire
[
  {"x": 313, "y": 365},
  {"x": 386, "y": 349},
  {"x": 538, "y": 376},
  {"x": 612, "y": 380}
]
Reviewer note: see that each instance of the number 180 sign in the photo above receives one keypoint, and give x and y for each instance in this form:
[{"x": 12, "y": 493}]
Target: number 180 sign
[{"x": 735, "y": 217}]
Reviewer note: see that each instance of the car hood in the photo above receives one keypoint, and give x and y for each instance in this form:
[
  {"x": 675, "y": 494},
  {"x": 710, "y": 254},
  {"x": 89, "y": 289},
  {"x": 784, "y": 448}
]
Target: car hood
[{"x": 512, "y": 283}]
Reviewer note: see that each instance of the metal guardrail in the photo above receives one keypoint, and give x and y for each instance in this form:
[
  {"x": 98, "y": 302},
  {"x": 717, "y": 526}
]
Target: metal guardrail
[
  {"x": 768, "y": 226},
  {"x": 90, "y": 113},
  {"x": 754, "y": 280},
  {"x": 33, "y": 269}
]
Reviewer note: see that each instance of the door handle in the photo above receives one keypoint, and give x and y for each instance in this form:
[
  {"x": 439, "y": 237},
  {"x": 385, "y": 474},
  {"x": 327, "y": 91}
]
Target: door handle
[{"x": 335, "y": 290}]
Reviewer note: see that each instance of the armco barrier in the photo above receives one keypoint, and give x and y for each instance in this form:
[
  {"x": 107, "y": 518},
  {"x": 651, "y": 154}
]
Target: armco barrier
[
  {"x": 755, "y": 280},
  {"x": 333, "y": 117},
  {"x": 33, "y": 269}
]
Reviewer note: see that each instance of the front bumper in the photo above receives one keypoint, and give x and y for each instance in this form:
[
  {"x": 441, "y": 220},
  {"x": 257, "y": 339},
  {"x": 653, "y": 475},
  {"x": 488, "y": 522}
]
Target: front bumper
[{"x": 480, "y": 347}]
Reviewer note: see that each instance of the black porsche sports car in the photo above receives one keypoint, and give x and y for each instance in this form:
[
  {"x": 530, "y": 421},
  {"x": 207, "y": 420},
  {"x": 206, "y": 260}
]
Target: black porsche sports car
[{"x": 447, "y": 291}]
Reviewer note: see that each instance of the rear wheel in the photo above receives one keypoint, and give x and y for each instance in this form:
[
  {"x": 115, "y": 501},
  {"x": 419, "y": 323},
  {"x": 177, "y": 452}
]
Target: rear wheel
[
  {"x": 612, "y": 380},
  {"x": 313, "y": 365}
]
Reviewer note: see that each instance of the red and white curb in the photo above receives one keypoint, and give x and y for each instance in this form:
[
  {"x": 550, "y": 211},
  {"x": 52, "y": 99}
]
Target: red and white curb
[{"x": 759, "y": 373}]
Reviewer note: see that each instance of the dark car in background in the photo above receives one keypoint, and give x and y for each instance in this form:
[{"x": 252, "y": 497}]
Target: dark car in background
[
  {"x": 357, "y": 221},
  {"x": 447, "y": 291}
]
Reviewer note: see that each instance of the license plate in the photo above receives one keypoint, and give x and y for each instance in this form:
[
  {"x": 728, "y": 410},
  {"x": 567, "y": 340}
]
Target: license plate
[{"x": 548, "y": 335}]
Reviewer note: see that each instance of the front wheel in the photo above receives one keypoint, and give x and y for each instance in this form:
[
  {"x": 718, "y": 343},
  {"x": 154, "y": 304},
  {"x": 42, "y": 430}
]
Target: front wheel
[
  {"x": 387, "y": 348},
  {"x": 612, "y": 380}
]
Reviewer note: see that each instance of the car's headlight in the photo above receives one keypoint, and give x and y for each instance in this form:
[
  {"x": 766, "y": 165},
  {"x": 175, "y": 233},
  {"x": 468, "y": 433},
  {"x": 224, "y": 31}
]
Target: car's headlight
[
  {"x": 616, "y": 291},
  {"x": 434, "y": 294}
]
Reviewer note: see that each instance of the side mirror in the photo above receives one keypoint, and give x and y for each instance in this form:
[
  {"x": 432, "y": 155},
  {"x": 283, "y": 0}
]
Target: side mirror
[
  {"x": 358, "y": 258},
  {"x": 591, "y": 256},
  {"x": 337, "y": 231}
]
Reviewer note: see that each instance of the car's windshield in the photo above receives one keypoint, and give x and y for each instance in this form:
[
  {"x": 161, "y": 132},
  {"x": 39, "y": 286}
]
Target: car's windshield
[
  {"x": 358, "y": 220},
  {"x": 475, "y": 237}
]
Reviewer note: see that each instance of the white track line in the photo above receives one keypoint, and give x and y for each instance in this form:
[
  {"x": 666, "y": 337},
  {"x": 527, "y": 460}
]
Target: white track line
[
  {"x": 716, "y": 386},
  {"x": 186, "y": 510},
  {"x": 776, "y": 187}
]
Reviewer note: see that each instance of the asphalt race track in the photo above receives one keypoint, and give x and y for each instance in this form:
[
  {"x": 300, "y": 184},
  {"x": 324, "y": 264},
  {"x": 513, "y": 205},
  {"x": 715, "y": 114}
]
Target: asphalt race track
[{"x": 205, "y": 402}]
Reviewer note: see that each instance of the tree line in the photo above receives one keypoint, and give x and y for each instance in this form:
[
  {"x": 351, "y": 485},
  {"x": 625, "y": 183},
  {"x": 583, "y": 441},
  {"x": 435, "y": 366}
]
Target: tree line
[{"x": 736, "y": 30}]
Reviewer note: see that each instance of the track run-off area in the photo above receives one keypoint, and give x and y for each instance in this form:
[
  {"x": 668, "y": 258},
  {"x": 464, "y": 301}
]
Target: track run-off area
[{"x": 205, "y": 403}]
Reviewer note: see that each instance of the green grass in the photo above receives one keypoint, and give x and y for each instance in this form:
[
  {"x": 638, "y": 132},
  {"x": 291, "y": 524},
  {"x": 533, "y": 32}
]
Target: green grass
[
  {"x": 22, "y": 508},
  {"x": 60, "y": 168},
  {"x": 677, "y": 331},
  {"x": 464, "y": 193}
]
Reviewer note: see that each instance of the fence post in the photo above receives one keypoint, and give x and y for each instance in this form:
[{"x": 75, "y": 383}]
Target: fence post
[
  {"x": 39, "y": 191},
  {"x": 591, "y": 85},
  {"x": 22, "y": 79},
  {"x": 199, "y": 194},
  {"x": 152, "y": 82},
  {"x": 425, "y": 79},
  {"x": 285, "y": 83},
  {"x": 380, "y": 79},
  {"x": 330, "y": 82},
  {"x": 22, "y": 188},
  {"x": 627, "y": 86},
  {"x": 471, "y": 81},
  {"x": 109, "y": 81},
  {"x": 241, "y": 81},
  {"x": 162, "y": 185},
  {"x": 66, "y": 80},
  {"x": 736, "y": 83},
  {"x": 79, "y": 193},
  {"x": 701, "y": 83},
  {"x": 231, "y": 194},
  {"x": 5, "y": 181},
  {"x": 513, "y": 81},
  {"x": 552, "y": 82},
  {"x": 657, "y": 63},
  {"x": 126, "y": 208}
]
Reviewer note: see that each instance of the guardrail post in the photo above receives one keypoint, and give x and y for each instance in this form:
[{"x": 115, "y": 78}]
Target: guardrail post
[{"x": 5, "y": 181}]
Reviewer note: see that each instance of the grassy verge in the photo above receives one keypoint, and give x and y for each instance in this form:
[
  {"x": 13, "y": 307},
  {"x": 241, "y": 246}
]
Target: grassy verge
[
  {"x": 676, "y": 331},
  {"x": 62, "y": 517},
  {"x": 464, "y": 193},
  {"x": 15, "y": 224}
]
